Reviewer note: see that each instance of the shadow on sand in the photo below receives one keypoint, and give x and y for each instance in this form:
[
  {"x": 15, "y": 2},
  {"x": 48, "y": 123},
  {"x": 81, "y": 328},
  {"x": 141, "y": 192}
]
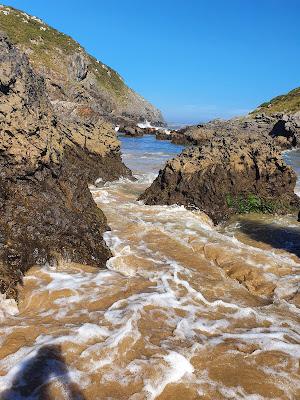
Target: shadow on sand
[
  {"x": 285, "y": 238},
  {"x": 36, "y": 375}
]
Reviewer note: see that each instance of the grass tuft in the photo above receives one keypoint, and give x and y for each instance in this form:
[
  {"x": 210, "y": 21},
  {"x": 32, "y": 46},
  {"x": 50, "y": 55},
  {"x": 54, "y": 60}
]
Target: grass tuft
[{"x": 250, "y": 204}]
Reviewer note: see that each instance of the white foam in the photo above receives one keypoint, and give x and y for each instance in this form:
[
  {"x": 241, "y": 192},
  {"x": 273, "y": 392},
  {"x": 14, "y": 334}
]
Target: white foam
[
  {"x": 204, "y": 320},
  {"x": 144, "y": 125},
  {"x": 7, "y": 307},
  {"x": 91, "y": 331},
  {"x": 179, "y": 367}
]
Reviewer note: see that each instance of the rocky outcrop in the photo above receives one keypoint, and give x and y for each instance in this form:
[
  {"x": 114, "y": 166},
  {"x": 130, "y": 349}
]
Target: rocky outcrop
[
  {"x": 133, "y": 131},
  {"x": 79, "y": 87},
  {"x": 233, "y": 166},
  {"x": 284, "y": 129},
  {"x": 137, "y": 131},
  {"x": 46, "y": 210},
  {"x": 227, "y": 176}
]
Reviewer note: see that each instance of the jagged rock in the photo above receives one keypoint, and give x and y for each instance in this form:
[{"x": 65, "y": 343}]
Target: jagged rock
[
  {"x": 227, "y": 176},
  {"x": 286, "y": 131},
  {"x": 46, "y": 209},
  {"x": 133, "y": 131},
  {"x": 163, "y": 135},
  {"x": 283, "y": 128}
]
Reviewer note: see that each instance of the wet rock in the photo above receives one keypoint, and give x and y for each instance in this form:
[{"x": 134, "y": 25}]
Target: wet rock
[
  {"x": 227, "y": 176},
  {"x": 133, "y": 131},
  {"x": 163, "y": 135},
  {"x": 46, "y": 210},
  {"x": 137, "y": 131}
]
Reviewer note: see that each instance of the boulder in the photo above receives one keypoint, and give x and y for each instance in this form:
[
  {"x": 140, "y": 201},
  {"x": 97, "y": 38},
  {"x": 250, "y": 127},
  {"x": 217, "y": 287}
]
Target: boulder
[
  {"x": 227, "y": 176},
  {"x": 133, "y": 131}
]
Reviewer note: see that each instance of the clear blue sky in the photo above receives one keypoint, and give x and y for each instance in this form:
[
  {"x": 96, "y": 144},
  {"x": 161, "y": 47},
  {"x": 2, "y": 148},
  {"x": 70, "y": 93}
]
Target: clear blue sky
[{"x": 193, "y": 59}]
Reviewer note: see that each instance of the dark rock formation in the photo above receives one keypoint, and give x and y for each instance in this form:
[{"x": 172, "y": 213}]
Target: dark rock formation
[
  {"x": 163, "y": 135},
  {"x": 133, "y": 131},
  {"x": 137, "y": 131},
  {"x": 46, "y": 210},
  {"x": 175, "y": 136},
  {"x": 286, "y": 131},
  {"x": 225, "y": 177}
]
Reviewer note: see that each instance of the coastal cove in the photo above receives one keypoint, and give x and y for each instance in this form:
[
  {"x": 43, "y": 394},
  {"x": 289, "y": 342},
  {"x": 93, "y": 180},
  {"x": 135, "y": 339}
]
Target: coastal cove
[
  {"x": 177, "y": 310},
  {"x": 140, "y": 259}
]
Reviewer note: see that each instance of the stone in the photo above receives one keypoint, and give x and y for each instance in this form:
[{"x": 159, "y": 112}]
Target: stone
[
  {"x": 47, "y": 213},
  {"x": 226, "y": 176}
]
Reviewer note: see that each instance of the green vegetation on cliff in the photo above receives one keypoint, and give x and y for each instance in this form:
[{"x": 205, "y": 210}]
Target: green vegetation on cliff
[
  {"x": 48, "y": 48},
  {"x": 77, "y": 83},
  {"x": 287, "y": 103}
]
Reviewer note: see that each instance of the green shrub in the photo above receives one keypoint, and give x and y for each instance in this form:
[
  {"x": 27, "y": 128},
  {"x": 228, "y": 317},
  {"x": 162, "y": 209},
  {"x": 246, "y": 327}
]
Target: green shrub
[{"x": 250, "y": 204}]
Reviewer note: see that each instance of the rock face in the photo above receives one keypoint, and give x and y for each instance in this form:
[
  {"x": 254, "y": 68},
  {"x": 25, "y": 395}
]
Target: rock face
[
  {"x": 80, "y": 87},
  {"x": 225, "y": 177},
  {"x": 46, "y": 210}
]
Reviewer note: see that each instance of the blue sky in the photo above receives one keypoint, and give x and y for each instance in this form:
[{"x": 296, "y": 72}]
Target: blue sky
[{"x": 194, "y": 59}]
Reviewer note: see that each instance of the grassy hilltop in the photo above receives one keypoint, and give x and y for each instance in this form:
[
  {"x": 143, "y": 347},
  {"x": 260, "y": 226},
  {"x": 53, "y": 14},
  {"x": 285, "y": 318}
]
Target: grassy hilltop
[
  {"x": 44, "y": 45},
  {"x": 52, "y": 53},
  {"x": 287, "y": 103}
]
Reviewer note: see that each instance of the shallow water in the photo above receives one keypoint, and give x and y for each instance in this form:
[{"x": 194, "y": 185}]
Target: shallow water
[
  {"x": 292, "y": 157},
  {"x": 267, "y": 231},
  {"x": 184, "y": 310}
]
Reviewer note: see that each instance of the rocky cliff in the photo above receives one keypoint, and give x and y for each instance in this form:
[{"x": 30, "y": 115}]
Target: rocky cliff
[
  {"x": 46, "y": 210},
  {"x": 80, "y": 87},
  {"x": 227, "y": 176}
]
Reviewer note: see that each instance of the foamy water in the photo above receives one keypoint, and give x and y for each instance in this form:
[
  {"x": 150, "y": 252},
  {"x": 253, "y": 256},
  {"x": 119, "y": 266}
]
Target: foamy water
[{"x": 184, "y": 310}]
